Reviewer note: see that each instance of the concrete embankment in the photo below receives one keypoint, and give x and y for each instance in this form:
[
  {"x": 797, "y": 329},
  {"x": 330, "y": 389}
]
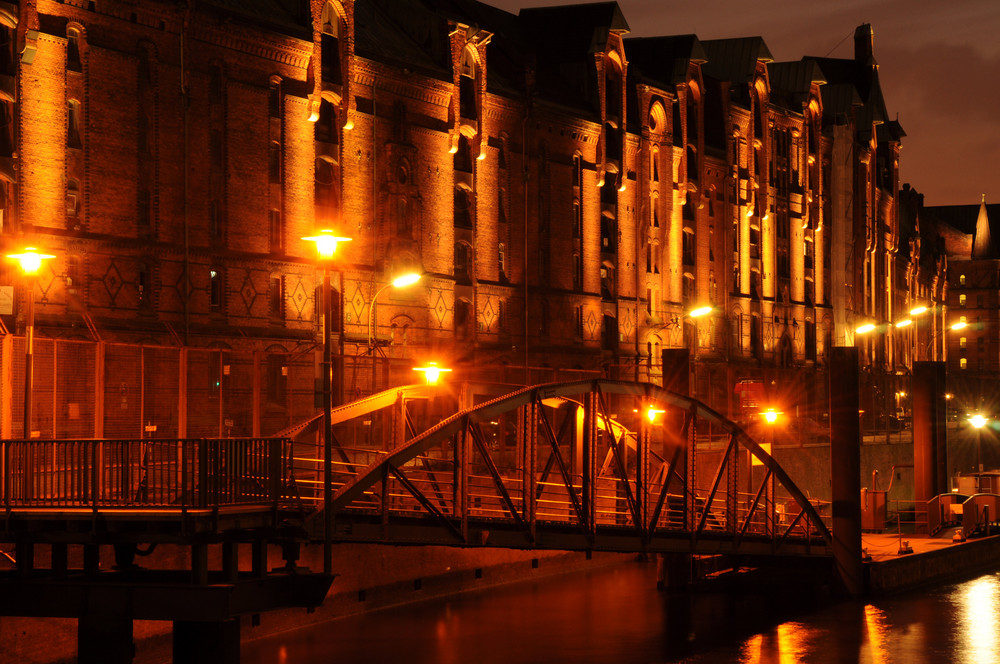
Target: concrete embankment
[{"x": 934, "y": 560}]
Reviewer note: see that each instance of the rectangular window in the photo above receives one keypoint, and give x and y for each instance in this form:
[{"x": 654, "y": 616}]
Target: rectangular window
[
  {"x": 215, "y": 290},
  {"x": 277, "y": 231},
  {"x": 73, "y": 124},
  {"x": 277, "y": 297},
  {"x": 277, "y": 379}
]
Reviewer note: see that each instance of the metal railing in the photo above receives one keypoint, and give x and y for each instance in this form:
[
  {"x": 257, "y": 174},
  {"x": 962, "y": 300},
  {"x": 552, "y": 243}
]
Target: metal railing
[{"x": 162, "y": 474}]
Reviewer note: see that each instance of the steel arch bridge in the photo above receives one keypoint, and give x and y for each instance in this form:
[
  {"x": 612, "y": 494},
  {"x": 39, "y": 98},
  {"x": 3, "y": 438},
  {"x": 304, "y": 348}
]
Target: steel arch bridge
[{"x": 571, "y": 466}]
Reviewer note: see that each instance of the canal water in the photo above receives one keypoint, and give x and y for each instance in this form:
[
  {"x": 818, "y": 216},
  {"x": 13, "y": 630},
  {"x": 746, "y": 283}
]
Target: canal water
[{"x": 616, "y": 615}]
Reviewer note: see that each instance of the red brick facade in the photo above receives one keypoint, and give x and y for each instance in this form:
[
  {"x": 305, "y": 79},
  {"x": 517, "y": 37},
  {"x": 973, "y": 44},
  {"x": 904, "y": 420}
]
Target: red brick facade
[{"x": 568, "y": 193}]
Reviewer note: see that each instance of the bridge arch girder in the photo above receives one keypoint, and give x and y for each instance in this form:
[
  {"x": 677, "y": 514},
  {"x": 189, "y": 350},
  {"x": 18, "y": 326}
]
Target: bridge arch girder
[{"x": 462, "y": 471}]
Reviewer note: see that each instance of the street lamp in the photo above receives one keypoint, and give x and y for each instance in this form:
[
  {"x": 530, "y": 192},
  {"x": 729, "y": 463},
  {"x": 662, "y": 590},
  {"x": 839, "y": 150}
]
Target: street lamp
[
  {"x": 326, "y": 246},
  {"x": 401, "y": 281},
  {"x": 30, "y": 261},
  {"x": 978, "y": 421},
  {"x": 432, "y": 372}
]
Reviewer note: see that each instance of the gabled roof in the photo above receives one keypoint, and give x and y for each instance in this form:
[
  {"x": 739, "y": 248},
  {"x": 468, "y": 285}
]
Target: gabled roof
[
  {"x": 289, "y": 17},
  {"x": 791, "y": 82},
  {"x": 735, "y": 60},
  {"x": 565, "y": 40},
  {"x": 663, "y": 61}
]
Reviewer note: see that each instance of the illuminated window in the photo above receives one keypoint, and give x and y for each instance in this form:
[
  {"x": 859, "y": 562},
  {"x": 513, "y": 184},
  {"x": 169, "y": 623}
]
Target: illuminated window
[
  {"x": 961, "y": 279},
  {"x": 502, "y": 260},
  {"x": 962, "y": 342},
  {"x": 961, "y": 300},
  {"x": 963, "y": 363}
]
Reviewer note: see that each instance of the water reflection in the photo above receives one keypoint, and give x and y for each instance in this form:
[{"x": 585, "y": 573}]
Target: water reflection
[
  {"x": 617, "y": 615},
  {"x": 979, "y": 620}
]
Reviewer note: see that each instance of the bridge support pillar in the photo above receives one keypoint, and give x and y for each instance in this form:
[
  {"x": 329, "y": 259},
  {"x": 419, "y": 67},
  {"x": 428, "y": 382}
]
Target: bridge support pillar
[
  {"x": 930, "y": 452},
  {"x": 104, "y": 639},
  {"x": 207, "y": 642},
  {"x": 845, "y": 468},
  {"x": 673, "y": 571}
]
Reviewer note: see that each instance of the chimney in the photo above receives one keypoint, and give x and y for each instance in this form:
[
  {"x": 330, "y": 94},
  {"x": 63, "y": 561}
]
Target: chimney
[{"x": 864, "y": 44}]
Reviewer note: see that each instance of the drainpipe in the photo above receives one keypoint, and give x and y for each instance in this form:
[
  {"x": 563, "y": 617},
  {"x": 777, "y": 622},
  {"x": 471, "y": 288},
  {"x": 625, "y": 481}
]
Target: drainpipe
[
  {"x": 524, "y": 181},
  {"x": 185, "y": 100}
]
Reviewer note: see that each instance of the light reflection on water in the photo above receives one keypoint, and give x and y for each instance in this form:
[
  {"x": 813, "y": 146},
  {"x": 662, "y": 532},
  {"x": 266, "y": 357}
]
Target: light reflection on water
[{"x": 617, "y": 615}]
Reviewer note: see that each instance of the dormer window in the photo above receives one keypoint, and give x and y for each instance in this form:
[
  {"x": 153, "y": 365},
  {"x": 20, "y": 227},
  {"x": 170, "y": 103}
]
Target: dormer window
[
  {"x": 330, "y": 44},
  {"x": 467, "y": 106}
]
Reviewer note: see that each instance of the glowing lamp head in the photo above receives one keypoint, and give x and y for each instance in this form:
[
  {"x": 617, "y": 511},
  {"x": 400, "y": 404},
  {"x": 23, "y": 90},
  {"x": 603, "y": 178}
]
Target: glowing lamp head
[
  {"x": 865, "y": 329},
  {"x": 406, "y": 280},
  {"x": 432, "y": 372},
  {"x": 960, "y": 325},
  {"x": 30, "y": 260},
  {"x": 916, "y": 311},
  {"x": 904, "y": 322},
  {"x": 651, "y": 414},
  {"x": 326, "y": 243},
  {"x": 771, "y": 415},
  {"x": 978, "y": 421},
  {"x": 700, "y": 311}
]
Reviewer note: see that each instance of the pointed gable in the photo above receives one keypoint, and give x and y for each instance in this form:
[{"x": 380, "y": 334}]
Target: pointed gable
[{"x": 982, "y": 242}]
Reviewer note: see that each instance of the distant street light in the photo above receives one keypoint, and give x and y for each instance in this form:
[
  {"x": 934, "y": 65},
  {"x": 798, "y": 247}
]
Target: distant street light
[
  {"x": 326, "y": 247},
  {"x": 30, "y": 261},
  {"x": 864, "y": 329}
]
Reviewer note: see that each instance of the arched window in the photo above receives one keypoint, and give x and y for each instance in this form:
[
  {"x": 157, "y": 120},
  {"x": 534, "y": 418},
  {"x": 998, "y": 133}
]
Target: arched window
[
  {"x": 463, "y": 263},
  {"x": 326, "y": 129},
  {"x": 73, "y": 62},
  {"x": 463, "y": 320},
  {"x": 463, "y": 207}
]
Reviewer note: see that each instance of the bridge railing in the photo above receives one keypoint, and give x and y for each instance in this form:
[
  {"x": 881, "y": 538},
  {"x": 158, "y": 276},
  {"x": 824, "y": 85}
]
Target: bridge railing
[{"x": 162, "y": 474}]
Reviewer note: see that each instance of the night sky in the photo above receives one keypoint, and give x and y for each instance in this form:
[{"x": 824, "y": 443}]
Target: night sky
[{"x": 939, "y": 63}]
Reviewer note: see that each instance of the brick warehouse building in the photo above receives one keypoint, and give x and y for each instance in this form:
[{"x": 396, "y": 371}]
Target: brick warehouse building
[{"x": 569, "y": 193}]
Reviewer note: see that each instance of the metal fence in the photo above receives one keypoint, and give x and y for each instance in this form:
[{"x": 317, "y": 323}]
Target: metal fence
[
  {"x": 86, "y": 389},
  {"x": 162, "y": 474}
]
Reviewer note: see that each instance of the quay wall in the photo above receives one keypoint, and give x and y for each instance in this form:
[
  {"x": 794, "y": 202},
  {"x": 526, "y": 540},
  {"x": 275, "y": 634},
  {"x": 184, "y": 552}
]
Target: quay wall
[{"x": 910, "y": 571}]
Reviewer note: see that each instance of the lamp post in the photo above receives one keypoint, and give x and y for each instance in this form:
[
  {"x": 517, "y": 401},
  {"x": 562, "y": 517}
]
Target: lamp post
[
  {"x": 978, "y": 421},
  {"x": 326, "y": 246},
  {"x": 30, "y": 261},
  {"x": 401, "y": 281}
]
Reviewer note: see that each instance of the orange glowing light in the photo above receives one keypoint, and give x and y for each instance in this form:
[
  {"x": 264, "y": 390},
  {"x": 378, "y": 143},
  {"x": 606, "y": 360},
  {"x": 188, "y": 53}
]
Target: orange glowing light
[
  {"x": 432, "y": 372},
  {"x": 30, "y": 260},
  {"x": 651, "y": 413},
  {"x": 326, "y": 243}
]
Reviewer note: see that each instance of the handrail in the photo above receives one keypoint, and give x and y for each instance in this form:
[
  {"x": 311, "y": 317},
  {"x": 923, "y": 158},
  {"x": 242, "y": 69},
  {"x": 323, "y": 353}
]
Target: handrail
[{"x": 162, "y": 474}]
